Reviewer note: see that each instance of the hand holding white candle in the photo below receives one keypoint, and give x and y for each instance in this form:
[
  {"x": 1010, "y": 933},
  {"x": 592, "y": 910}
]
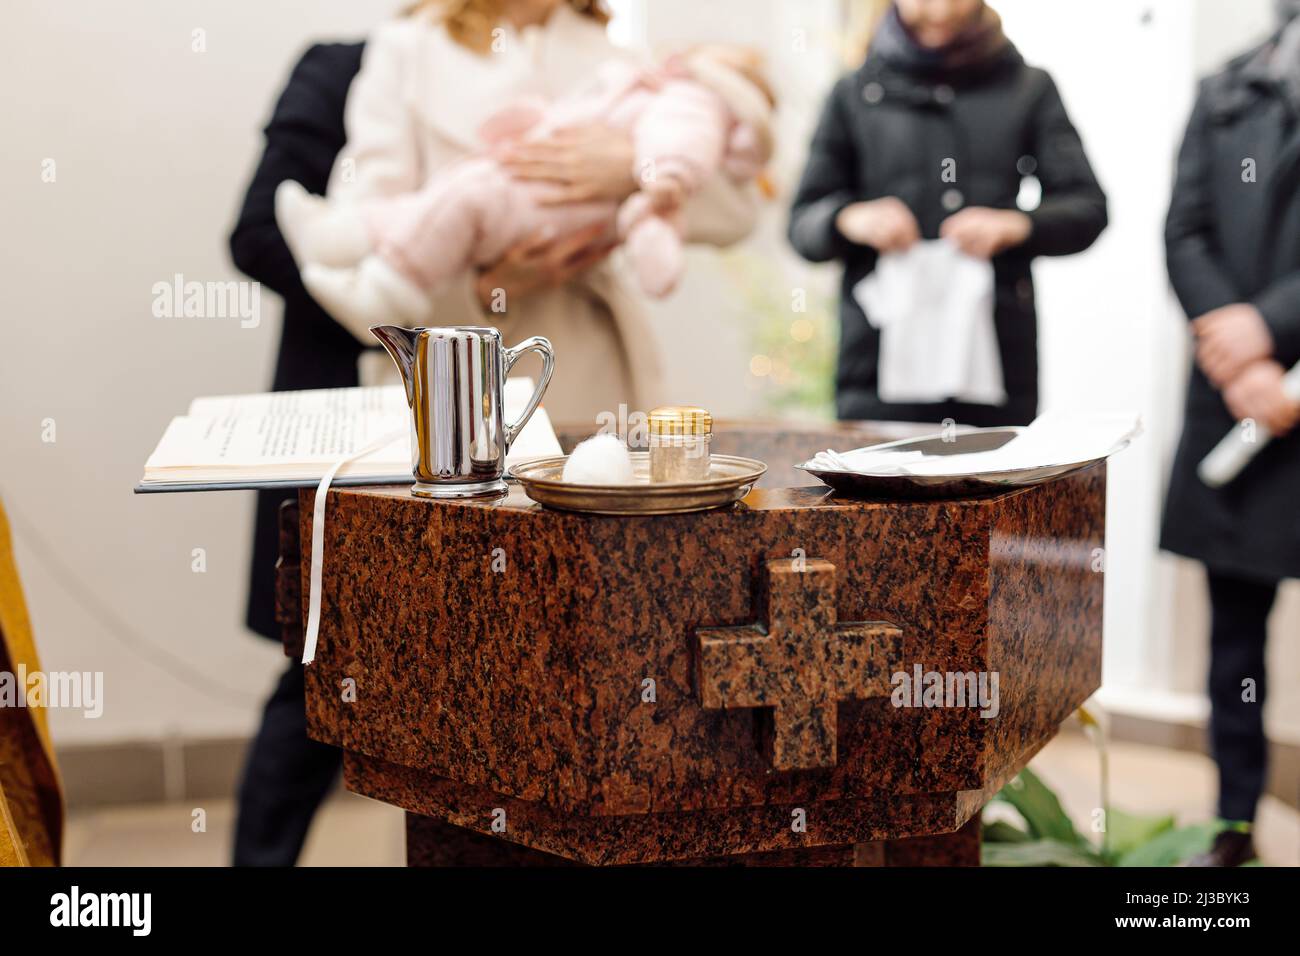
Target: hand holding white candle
[{"x": 1234, "y": 452}]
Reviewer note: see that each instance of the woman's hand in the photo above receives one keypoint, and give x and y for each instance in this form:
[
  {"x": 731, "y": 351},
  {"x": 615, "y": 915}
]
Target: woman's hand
[
  {"x": 887, "y": 225},
  {"x": 541, "y": 262},
  {"x": 1257, "y": 393},
  {"x": 1229, "y": 339},
  {"x": 584, "y": 163},
  {"x": 983, "y": 232}
]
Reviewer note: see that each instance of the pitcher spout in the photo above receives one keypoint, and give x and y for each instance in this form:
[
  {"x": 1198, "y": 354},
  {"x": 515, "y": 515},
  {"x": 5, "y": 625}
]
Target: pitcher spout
[{"x": 400, "y": 343}]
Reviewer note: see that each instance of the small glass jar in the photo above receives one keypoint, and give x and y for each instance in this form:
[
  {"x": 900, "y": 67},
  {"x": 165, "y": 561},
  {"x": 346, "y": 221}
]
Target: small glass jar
[{"x": 679, "y": 443}]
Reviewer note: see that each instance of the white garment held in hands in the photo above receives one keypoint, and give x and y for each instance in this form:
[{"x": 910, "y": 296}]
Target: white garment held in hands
[{"x": 933, "y": 305}]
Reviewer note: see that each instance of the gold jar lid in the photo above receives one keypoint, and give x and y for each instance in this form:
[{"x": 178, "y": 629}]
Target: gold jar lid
[{"x": 680, "y": 420}]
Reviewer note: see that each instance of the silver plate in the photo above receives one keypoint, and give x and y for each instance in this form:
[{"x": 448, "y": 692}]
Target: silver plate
[
  {"x": 944, "y": 486},
  {"x": 730, "y": 479}
]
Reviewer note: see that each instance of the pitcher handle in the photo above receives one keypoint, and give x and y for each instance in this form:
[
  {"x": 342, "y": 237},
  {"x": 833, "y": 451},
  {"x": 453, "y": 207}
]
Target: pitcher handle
[{"x": 534, "y": 344}]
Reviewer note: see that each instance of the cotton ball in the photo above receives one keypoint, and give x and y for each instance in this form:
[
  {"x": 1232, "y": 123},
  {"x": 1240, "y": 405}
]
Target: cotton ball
[{"x": 602, "y": 460}]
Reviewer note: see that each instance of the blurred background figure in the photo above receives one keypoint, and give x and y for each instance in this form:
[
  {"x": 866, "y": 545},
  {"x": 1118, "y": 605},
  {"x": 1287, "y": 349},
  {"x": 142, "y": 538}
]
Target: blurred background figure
[
  {"x": 1233, "y": 245},
  {"x": 286, "y": 775},
  {"x": 930, "y": 139},
  {"x": 426, "y": 82}
]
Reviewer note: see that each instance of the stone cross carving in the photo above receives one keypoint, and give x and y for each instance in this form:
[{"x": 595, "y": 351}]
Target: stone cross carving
[{"x": 800, "y": 662}]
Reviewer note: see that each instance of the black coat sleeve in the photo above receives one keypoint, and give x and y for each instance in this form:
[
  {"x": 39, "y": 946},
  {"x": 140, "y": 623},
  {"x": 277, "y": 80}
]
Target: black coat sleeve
[
  {"x": 829, "y": 183},
  {"x": 1191, "y": 246},
  {"x": 1279, "y": 304},
  {"x": 1072, "y": 211},
  {"x": 305, "y": 134}
]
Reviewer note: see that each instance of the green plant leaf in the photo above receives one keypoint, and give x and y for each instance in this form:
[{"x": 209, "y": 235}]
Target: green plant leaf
[
  {"x": 1041, "y": 809},
  {"x": 1174, "y": 846},
  {"x": 1038, "y": 853},
  {"x": 1127, "y": 831},
  {"x": 1002, "y": 831}
]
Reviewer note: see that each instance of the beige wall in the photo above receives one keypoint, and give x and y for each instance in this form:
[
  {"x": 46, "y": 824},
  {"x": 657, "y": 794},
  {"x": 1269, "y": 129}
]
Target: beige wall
[{"x": 152, "y": 143}]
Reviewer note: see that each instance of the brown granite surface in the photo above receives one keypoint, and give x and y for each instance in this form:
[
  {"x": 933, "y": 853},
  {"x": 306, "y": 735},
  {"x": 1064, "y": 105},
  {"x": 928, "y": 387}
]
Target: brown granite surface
[
  {"x": 1043, "y": 551},
  {"x": 641, "y": 838},
  {"x": 548, "y": 664},
  {"x": 432, "y": 842},
  {"x": 289, "y": 582},
  {"x": 961, "y": 848},
  {"x": 799, "y": 661}
]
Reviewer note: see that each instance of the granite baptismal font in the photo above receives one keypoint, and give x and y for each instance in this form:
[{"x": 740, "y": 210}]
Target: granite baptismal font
[{"x": 539, "y": 687}]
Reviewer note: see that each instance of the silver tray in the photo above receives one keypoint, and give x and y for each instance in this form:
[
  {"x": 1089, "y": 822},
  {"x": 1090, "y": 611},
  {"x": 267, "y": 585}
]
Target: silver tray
[
  {"x": 730, "y": 478},
  {"x": 944, "y": 486}
]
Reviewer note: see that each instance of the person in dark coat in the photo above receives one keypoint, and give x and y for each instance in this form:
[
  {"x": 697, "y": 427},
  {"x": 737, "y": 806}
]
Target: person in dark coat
[
  {"x": 942, "y": 91},
  {"x": 286, "y": 774},
  {"x": 1233, "y": 246}
]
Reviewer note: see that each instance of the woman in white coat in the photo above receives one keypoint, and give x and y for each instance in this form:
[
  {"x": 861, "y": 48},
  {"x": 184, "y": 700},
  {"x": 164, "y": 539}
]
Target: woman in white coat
[
  {"x": 411, "y": 102},
  {"x": 428, "y": 80}
]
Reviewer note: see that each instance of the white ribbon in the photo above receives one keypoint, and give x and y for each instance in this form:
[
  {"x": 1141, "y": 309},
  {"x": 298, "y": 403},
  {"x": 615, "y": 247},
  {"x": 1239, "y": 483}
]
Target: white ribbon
[{"x": 318, "y": 543}]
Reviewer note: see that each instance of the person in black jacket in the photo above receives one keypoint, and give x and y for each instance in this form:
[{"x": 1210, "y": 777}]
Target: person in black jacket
[
  {"x": 1232, "y": 239},
  {"x": 286, "y": 774},
  {"x": 931, "y": 137}
]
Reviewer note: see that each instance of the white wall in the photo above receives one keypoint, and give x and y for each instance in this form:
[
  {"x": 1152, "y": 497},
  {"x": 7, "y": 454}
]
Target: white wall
[{"x": 152, "y": 144}]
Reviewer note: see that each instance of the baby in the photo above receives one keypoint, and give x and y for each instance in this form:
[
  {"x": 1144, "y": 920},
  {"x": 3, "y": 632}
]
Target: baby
[{"x": 381, "y": 260}]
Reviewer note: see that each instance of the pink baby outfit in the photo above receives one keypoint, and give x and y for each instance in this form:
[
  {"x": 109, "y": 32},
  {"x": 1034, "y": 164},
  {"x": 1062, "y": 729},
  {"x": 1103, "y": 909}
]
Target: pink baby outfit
[{"x": 472, "y": 214}]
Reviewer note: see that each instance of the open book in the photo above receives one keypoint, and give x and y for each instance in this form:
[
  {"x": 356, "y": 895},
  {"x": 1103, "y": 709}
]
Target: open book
[{"x": 290, "y": 439}]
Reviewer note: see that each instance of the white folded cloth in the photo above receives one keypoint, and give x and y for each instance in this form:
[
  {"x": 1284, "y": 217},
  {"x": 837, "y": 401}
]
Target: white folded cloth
[
  {"x": 1057, "y": 438},
  {"x": 933, "y": 305}
]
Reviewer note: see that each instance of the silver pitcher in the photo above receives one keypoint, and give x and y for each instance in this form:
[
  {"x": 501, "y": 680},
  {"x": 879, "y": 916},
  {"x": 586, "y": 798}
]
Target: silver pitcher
[{"x": 455, "y": 380}]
